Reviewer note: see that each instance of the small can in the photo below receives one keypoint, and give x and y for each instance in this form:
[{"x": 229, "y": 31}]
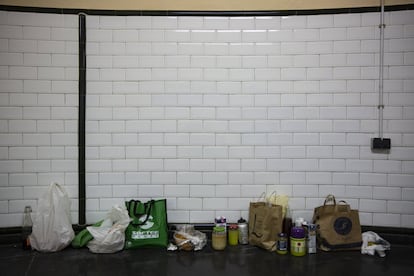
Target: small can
[
  {"x": 243, "y": 231},
  {"x": 282, "y": 243}
]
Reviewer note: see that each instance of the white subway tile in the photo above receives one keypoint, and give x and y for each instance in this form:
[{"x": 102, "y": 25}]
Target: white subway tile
[
  {"x": 319, "y": 152},
  {"x": 254, "y": 139},
  {"x": 7, "y": 31},
  {"x": 345, "y": 178},
  {"x": 280, "y": 35},
  {"x": 347, "y": 46},
  {"x": 112, "y": 48},
  {"x": 14, "y": 59},
  {"x": 254, "y": 35},
  {"x": 319, "y": 126},
  {"x": 281, "y": 138},
  {"x": 215, "y": 126},
  {"x": 253, "y": 165},
  {"x": 125, "y": 35},
  {"x": 204, "y": 191},
  {"x": 318, "y": 178},
  {"x": 319, "y": 47},
  {"x": 280, "y": 113},
  {"x": 138, "y": 22},
  {"x": 203, "y": 35},
  {"x": 347, "y": 20},
  {"x": 218, "y": 178},
  {"x": 361, "y": 33},
  {"x": 201, "y": 216},
  {"x": 295, "y": 178},
  {"x": 189, "y": 178},
  {"x": 190, "y": 48},
  {"x": 293, "y": 152},
  {"x": 241, "y": 23},
  {"x": 306, "y": 139},
  {"x": 293, "y": 74},
  {"x": 390, "y": 166},
  {"x": 267, "y": 74},
  {"x": 266, "y": 48},
  {"x": 215, "y": 203},
  {"x": 164, "y": 48},
  {"x": 320, "y": 21},
  {"x": 216, "y": 22},
  {"x": 401, "y": 17},
  {"x": 279, "y": 164},
  {"x": 10, "y": 193},
  {"x": 359, "y": 165},
  {"x": 332, "y": 165},
  {"x": 306, "y": 34},
  {"x": 125, "y": 165},
  {"x": 134, "y": 48},
  {"x": 227, "y": 165},
  {"x": 292, "y": 22},
  {"x": 407, "y": 221},
  {"x": 245, "y": 48},
  {"x": 190, "y": 203},
  {"x": 305, "y": 164},
  {"x": 292, "y": 48},
  {"x": 164, "y": 22},
  {"x": 190, "y": 126},
  {"x": 161, "y": 178}
]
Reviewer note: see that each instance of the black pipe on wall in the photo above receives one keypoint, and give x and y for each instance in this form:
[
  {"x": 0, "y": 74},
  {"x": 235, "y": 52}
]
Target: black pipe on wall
[{"x": 81, "y": 118}]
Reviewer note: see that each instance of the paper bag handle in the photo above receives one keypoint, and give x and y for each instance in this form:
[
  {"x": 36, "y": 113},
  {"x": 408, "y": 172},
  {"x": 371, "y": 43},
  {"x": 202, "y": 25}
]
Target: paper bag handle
[{"x": 330, "y": 198}]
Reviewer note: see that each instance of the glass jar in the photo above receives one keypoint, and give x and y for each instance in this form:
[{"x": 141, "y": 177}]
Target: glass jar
[
  {"x": 233, "y": 234},
  {"x": 282, "y": 244},
  {"x": 218, "y": 238}
]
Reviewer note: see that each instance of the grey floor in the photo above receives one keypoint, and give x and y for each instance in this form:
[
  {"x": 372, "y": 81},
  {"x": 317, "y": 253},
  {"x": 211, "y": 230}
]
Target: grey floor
[{"x": 235, "y": 260}]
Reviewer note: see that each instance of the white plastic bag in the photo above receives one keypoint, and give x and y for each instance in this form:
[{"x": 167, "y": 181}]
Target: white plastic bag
[
  {"x": 52, "y": 226},
  {"x": 372, "y": 242},
  {"x": 110, "y": 236}
]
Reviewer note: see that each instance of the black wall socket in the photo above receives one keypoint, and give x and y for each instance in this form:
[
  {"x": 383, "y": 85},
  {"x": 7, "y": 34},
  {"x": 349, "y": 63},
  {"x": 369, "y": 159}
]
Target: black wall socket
[{"x": 381, "y": 143}]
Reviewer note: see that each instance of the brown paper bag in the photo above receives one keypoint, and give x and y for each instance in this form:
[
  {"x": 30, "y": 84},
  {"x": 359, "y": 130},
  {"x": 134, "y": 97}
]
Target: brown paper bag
[
  {"x": 265, "y": 223},
  {"x": 338, "y": 226}
]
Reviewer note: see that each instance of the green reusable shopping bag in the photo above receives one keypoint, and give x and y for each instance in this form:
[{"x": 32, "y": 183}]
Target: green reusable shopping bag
[{"x": 148, "y": 227}]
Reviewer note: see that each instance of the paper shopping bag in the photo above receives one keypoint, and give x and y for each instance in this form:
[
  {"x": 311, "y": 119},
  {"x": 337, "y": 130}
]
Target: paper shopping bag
[
  {"x": 148, "y": 227},
  {"x": 338, "y": 226},
  {"x": 265, "y": 223}
]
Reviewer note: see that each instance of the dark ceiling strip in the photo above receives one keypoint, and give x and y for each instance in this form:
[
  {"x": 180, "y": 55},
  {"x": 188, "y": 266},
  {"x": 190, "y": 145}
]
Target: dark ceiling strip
[
  {"x": 82, "y": 119},
  {"x": 204, "y": 13}
]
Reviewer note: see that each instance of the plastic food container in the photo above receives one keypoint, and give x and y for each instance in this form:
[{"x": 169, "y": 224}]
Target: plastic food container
[{"x": 218, "y": 238}]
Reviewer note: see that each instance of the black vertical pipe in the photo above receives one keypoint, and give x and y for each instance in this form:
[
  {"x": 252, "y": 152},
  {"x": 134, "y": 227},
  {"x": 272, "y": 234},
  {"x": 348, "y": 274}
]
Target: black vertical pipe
[{"x": 81, "y": 118}]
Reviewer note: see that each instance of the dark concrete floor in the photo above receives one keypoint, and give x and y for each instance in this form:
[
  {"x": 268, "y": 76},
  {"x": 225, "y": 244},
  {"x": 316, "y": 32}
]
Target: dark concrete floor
[{"x": 235, "y": 260}]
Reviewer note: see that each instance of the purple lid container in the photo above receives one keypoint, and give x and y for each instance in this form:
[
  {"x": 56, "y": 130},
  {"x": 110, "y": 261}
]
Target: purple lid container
[{"x": 297, "y": 232}]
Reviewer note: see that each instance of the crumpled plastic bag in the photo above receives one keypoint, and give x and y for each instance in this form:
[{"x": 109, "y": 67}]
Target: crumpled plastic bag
[
  {"x": 188, "y": 239},
  {"x": 52, "y": 227},
  {"x": 282, "y": 200},
  {"x": 110, "y": 236},
  {"x": 372, "y": 243}
]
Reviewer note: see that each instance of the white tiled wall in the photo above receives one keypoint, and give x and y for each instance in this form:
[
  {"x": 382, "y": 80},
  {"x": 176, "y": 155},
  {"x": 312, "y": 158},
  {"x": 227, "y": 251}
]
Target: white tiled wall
[{"x": 209, "y": 112}]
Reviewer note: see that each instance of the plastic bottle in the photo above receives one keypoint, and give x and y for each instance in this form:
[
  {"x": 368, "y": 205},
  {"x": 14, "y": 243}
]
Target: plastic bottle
[
  {"x": 27, "y": 227},
  {"x": 287, "y": 222},
  {"x": 297, "y": 239},
  {"x": 243, "y": 231}
]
